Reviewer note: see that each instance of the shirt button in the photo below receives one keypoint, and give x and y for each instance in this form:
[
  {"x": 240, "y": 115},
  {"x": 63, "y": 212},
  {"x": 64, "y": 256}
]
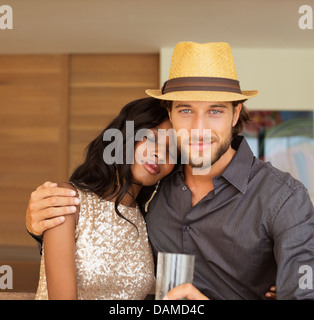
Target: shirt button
[
  {"x": 184, "y": 188},
  {"x": 187, "y": 228}
]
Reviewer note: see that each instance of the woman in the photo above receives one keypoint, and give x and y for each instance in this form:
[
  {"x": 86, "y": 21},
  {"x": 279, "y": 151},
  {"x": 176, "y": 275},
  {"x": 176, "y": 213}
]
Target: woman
[{"x": 102, "y": 250}]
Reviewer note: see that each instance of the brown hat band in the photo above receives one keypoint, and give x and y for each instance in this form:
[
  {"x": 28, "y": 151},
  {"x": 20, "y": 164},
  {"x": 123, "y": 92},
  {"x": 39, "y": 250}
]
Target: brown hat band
[{"x": 201, "y": 84}]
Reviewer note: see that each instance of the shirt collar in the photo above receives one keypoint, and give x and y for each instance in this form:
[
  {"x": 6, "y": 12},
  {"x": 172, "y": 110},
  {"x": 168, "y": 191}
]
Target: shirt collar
[{"x": 238, "y": 171}]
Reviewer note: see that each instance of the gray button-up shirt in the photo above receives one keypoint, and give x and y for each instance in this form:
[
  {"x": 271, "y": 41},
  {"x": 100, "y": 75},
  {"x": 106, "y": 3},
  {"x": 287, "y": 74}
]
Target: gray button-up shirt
[{"x": 254, "y": 230}]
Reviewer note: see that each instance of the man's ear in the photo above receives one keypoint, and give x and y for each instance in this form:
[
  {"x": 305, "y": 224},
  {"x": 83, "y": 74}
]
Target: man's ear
[
  {"x": 236, "y": 114},
  {"x": 169, "y": 109},
  {"x": 169, "y": 114}
]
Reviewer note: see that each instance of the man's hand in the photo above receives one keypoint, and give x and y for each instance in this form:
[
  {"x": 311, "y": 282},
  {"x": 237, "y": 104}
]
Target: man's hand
[
  {"x": 189, "y": 292},
  {"x": 185, "y": 291},
  {"x": 272, "y": 293},
  {"x": 47, "y": 206}
]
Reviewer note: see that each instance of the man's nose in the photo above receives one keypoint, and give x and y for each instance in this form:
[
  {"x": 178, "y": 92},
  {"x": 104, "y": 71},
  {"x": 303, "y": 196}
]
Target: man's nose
[
  {"x": 201, "y": 129},
  {"x": 199, "y": 122}
]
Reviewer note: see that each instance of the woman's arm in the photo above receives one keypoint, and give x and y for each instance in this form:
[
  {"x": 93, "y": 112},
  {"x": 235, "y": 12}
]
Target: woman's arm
[{"x": 59, "y": 251}]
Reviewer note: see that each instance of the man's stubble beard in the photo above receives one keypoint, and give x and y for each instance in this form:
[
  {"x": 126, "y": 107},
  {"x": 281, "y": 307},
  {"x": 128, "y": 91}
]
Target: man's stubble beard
[{"x": 223, "y": 148}]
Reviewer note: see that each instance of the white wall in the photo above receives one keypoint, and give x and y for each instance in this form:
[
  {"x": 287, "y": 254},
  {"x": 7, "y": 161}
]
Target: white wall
[{"x": 284, "y": 77}]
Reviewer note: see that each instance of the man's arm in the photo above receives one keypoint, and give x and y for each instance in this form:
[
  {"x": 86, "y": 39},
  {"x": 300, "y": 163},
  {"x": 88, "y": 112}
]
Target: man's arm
[
  {"x": 39, "y": 240},
  {"x": 48, "y": 206},
  {"x": 293, "y": 234}
]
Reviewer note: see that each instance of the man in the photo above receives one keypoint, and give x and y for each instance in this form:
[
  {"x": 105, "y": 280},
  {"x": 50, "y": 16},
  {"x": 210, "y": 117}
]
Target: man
[{"x": 248, "y": 224}]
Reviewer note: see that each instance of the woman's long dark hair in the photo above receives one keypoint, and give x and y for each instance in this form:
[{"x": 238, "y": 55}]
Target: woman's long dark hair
[{"x": 110, "y": 180}]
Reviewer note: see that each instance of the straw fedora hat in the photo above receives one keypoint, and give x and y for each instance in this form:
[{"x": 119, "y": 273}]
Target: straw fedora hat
[{"x": 202, "y": 72}]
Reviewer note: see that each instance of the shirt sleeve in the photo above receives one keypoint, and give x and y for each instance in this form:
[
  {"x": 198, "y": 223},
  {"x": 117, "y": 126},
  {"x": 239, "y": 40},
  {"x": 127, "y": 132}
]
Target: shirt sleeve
[
  {"x": 293, "y": 235},
  {"x": 39, "y": 240}
]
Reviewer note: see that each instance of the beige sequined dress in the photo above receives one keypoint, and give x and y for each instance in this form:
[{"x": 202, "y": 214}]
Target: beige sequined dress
[{"x": 113, "y": 260}]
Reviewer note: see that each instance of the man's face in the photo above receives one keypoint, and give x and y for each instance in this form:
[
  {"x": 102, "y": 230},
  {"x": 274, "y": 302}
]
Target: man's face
[{"x": 219, "y": 117}]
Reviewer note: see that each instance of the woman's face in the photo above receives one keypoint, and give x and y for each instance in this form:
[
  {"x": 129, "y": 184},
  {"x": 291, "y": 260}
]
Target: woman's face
[{"x": 152, "y": 160}]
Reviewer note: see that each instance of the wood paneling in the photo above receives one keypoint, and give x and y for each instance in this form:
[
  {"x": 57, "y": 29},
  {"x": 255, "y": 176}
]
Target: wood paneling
[
  {"x": 51, "y": 107},
  {"x": 33, "y": 134},
  {"x": 100, "y": 86}
]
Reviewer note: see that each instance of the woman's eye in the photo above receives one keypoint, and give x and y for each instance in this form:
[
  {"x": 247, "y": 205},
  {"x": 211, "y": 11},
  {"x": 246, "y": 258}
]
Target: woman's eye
[{"x": 151, "y": 139}]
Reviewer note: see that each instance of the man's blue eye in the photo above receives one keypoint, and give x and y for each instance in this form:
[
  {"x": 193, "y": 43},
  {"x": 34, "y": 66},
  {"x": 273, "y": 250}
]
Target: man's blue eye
[{"x": 185, "y": 111}]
